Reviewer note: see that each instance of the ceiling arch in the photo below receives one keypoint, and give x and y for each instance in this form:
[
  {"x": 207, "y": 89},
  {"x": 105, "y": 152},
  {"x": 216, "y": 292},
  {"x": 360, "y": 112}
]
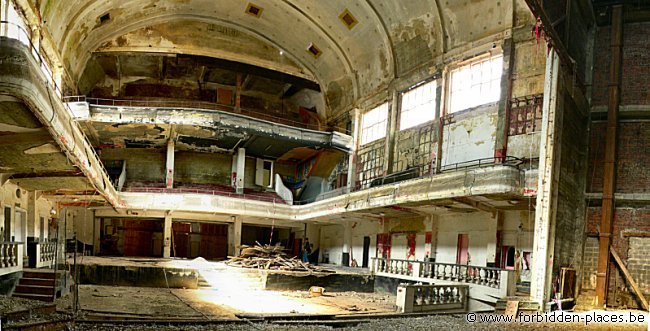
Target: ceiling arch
[{"x": 390, "y": 40}]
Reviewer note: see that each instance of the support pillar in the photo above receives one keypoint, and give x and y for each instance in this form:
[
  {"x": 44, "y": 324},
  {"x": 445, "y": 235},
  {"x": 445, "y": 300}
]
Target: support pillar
[
  {"x": 167, "y": 236},
  {"x": 238, "y": 168},
  {"x": 352, "y": 158},
  {"x": 546, "y": 205},
  {"x": 609, "y": 173},
  {"x": 237, "y": 228},
  {"x": 347, "y": 244},
  {"x": 391, "y": 134},
  {"x": 169, "y": 179},
  {"x": 32, "y": 214},
  {"x": 238, "y": 94}
]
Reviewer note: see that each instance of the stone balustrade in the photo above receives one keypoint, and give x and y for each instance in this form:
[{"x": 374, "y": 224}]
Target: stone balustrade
[{"x": 423, "y": 298}]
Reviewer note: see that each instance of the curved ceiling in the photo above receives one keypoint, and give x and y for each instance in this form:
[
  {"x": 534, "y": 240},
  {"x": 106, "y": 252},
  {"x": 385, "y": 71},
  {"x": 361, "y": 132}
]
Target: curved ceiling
[{"x": 390, "y": 39}]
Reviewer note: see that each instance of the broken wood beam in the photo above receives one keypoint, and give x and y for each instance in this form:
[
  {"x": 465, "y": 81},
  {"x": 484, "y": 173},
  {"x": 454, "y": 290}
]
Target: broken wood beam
[{"x": 630, "y": 280}]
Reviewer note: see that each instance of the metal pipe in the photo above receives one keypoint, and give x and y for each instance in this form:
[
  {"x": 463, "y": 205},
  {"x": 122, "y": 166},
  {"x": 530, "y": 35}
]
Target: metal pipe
[{"x": 609, "y": 172}]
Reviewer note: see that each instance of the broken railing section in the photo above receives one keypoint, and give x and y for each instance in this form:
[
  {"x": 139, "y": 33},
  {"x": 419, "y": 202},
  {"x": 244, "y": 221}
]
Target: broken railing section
[
  {"x": 423, "y": 298},
  {"x": 485, "y": 276}
]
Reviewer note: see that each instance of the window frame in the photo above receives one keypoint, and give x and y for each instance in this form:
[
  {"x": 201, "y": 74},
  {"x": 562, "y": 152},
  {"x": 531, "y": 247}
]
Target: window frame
[
  {"x": 494, "y": 79},
  {"x": 363, "y": 133},
  {"x": 433, "y": 102}
]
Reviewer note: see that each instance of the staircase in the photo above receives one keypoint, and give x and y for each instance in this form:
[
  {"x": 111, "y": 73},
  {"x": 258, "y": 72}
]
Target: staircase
[{"x": 38, "y": 284}]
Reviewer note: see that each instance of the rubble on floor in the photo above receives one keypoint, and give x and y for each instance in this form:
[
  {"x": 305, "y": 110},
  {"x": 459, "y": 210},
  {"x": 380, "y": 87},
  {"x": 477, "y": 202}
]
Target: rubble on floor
[{"x": 271, "y": 258}]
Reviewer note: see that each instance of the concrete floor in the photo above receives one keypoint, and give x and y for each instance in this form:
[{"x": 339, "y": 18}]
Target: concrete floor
[{"x": 216, "y": 304}]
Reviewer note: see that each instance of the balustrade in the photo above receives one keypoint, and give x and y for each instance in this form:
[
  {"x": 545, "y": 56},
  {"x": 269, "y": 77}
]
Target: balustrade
[
  {"x": 47, "y": 251},
  {"x": 8, "y": 254},
  {"x": 485, "y": 276}
]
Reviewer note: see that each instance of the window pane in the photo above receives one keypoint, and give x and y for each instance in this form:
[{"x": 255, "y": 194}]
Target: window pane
[
  {"x": 374, "y": 124},
  {"x": 418, "y": 105},
  {"x": 476, "y": 84}
]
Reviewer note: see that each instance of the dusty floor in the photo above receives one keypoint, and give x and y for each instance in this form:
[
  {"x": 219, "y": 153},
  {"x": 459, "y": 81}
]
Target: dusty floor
[
  {"x": 439, "y": 322},
  {"x": 215, "y": 304}
]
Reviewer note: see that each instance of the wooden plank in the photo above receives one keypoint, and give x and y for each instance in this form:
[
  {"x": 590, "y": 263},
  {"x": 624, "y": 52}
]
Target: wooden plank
[
  {"x": 511, "y": 308},
  {"x": 40, "y": 136},
  {"x": 630, "y": 280}
]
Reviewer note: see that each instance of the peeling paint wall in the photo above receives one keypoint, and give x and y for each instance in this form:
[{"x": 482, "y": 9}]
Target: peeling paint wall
[{"x": 470, "y": 136}]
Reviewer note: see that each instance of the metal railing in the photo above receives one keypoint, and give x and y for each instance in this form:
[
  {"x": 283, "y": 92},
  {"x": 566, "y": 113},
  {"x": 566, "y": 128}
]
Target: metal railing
[
  {"x": 508, "y": 161},
  {"x": 51, "y": 82},
  {"x": 203, "y": 105},
  {"x": 461, "y": 273}
]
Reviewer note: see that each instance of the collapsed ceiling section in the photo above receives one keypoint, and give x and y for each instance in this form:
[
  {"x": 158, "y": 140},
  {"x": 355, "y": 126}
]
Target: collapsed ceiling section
[{"x": 351, "y": 49}]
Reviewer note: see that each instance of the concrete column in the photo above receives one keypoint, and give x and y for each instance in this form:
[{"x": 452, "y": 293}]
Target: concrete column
[
  {"x": 238, "y": 168},
  {"x": 167, "y": 236},
  {"x": 347, "y": 243},
  {"x": 391, "y": 134},
  {"x": 503, "y": 120},
  {"x": 32, "y": 214},
  {"x": 352, "y": 163},
  {"x": 169, "y": 180},
  {"x": 238, "y": 93},
  {"x": 237, "y": 234},
  {"x": 546, "y": 207}
]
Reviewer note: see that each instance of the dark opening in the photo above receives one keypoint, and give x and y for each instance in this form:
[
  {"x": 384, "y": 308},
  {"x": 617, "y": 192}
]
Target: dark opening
[
  {"x": 104, "y": 18},
  {"x": 315, "y": 51}
]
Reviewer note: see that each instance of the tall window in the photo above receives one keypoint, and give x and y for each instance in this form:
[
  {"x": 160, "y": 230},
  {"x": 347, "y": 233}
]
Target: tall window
[
  {"x": 476, "y": 83},
  {"x": 374, "y": 124},
  {"x": 418, "y": 105}
]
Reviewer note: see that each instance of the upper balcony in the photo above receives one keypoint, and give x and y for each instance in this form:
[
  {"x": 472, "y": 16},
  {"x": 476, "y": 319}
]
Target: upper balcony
[{"x": 201, "y": 125}]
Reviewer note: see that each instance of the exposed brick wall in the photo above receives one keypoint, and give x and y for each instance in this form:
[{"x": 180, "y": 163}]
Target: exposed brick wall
[
  {"x": 626, "y": 220},
  {"x": 633, "y": 157},
  {"x": 638, "y": 262},
  {"x": 590, "y": 265},
  {"x": 636, "y": 65}
]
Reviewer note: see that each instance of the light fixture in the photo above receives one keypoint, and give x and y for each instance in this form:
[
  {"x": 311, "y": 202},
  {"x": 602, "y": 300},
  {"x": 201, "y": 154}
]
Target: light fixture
[{"x": 53, "y": 211}]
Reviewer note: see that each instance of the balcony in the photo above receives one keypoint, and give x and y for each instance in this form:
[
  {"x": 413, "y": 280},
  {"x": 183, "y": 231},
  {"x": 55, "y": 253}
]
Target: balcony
[{"x": 230, "y": 129}]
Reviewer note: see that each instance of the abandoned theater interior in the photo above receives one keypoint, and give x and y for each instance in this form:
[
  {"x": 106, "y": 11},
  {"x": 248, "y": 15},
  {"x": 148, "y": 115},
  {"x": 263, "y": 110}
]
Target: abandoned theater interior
[{"x": 271, "y": 163}]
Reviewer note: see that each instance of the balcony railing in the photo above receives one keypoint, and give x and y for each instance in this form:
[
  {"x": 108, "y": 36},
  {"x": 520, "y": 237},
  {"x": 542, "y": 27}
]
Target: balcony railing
[
  {"x": 205, "y": 105},
  {"x": 41, "y": 254},
  {"x": 9, "y": 256},
  {"x": 485, "y": 276},
  {"x": 423, "y": 298}
]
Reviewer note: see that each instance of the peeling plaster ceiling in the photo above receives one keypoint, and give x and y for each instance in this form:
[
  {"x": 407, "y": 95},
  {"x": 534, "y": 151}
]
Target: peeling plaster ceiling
[{"x": 390, "y": 39}]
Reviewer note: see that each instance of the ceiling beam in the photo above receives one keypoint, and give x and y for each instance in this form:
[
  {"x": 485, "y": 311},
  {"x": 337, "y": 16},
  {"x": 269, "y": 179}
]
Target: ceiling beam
[
  {"x": 476, "y": 204},
  {"x": 74, "y": 173}
]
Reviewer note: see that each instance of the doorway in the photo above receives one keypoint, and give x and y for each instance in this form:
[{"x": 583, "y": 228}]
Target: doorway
[
  {"x": 366, "y": 251},
  {"x": 7, "y": 225},
  {"x": 462, "y": 253}
]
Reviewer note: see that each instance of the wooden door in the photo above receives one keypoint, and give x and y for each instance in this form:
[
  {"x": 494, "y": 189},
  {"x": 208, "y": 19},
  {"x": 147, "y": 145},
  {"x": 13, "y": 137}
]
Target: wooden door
[
  {"x": 214, "y": 241},
  {"x": 462, "y": 254},
  {"x": 181, "y": 239},
  {"x": 138, "y": 237}
]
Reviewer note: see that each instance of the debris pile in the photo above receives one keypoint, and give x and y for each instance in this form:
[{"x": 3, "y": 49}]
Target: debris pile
[{"x": 270, "y": 258}]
